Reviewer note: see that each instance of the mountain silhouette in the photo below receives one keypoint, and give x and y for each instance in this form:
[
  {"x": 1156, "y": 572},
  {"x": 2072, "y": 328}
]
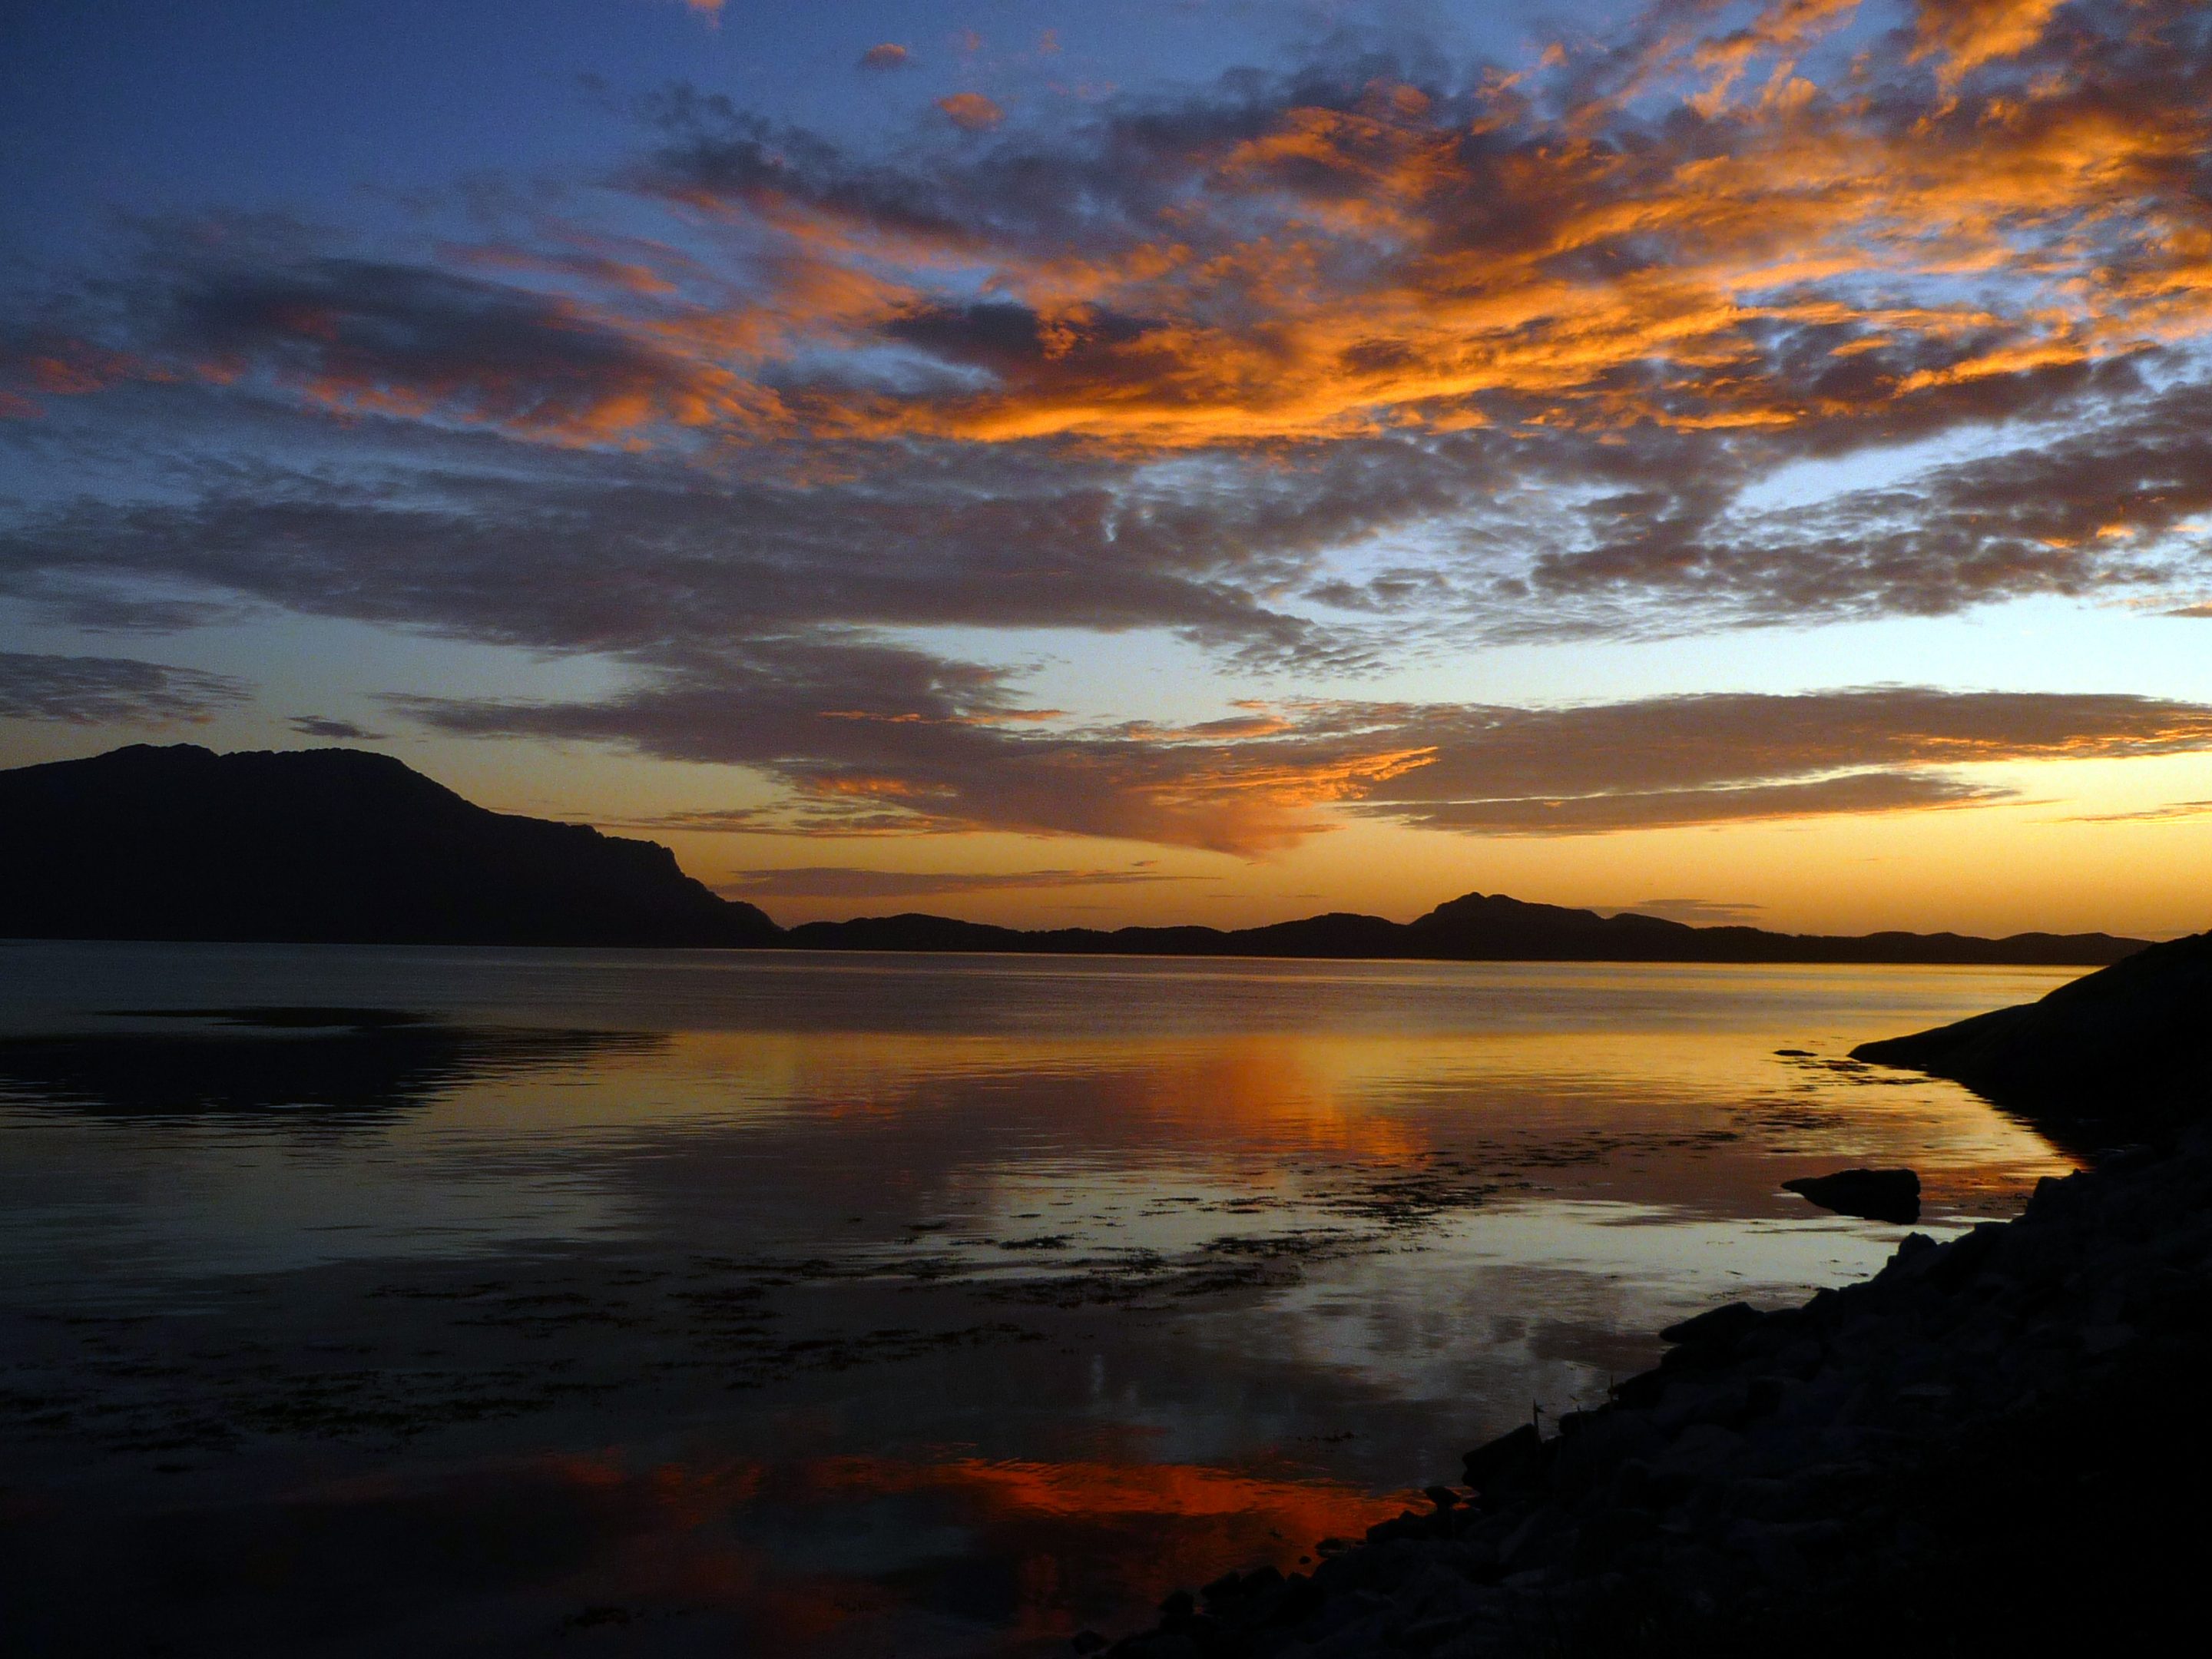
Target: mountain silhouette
[
  {"x": 338, "y": 845},
  {"x": 323, "y": 846},
  {"x": 1478, "y": 927}
]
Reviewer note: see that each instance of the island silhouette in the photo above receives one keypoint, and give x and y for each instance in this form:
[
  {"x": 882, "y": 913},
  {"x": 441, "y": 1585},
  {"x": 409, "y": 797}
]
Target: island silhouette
[{"x": 340, "y": 846}]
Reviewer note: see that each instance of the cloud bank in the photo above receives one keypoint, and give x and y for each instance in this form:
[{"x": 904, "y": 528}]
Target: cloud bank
[
  {"x": 109, "y": 690},
  {"x": 1367, "y": 361},
  {"x": 1270, "y": 777},
  {"x": 845, "y": 881}
]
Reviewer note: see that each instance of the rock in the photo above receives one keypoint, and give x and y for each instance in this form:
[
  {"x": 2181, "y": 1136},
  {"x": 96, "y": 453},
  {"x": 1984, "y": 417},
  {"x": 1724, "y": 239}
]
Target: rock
[
  {"x": 2121, "y": 1050},
  {"x": 1958, "y": 1443},
  {"x": 1874, "y": 1194},
  {"x": 1505, "y": 1459},
  {"x": 2099, "y": 1339},
  {"x": 1699, "y": 1453},
  {"x": 1718, "y": 1327},
  {"x": 1229, "y": 1585}
]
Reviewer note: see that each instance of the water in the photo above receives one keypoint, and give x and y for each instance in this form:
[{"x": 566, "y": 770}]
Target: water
[{"x": 672, "y": 1302}]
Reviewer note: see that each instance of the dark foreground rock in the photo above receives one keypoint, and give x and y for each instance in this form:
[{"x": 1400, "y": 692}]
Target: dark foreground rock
[
  {"x": 1892, "y": 1195},
  {"x": 2124, "y": 1054},
  {"x": 1993, "y": 1446}
]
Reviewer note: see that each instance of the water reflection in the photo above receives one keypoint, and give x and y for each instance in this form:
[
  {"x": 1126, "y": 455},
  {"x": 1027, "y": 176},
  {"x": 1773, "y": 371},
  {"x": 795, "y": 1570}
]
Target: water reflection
[
  {"x": 836, "y": 1555},
  {"x": 746, "y": 1305},
  {"x": 160, "y": 1062}
]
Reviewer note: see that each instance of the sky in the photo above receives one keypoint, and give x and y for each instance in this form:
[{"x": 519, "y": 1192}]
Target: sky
[{"x": 1148, "y": 460}]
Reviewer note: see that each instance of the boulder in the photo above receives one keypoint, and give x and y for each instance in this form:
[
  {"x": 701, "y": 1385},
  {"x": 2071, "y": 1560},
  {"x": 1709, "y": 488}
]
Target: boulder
[
  {"x": 1716, "y": 1326},
  {"x": 1874, "y": 1194}
]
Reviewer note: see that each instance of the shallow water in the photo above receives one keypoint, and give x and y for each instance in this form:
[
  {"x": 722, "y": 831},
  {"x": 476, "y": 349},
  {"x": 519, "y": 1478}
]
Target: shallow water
[{"x": 673, "y": 1302}]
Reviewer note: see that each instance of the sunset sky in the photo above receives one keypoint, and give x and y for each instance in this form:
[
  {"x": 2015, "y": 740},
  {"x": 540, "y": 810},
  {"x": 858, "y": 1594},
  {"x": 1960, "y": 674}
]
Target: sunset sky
[{"x": 1148, "y": 460}]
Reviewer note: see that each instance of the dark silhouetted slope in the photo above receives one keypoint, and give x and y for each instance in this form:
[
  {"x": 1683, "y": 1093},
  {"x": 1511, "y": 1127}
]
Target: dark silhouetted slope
[
  {"x": 1334, "y": 935},
  {"x": 1480, "y": 927},
  {"x": 323, "y": 846},
  {"x": 338, "y": 845},
  {"x": 2127, "y": 1050},
  {"x": 1491, "y": 926}
]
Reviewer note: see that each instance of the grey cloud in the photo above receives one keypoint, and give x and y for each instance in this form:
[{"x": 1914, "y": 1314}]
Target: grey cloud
[
  {"x": 1719, "y": 739},
  {"x": 316, "y": 725},
  {"x": 2106, "y": 508},
  {"x": 747, "y": 581},
  {"x": 638, "y": 554},
  {"x": 110, "y": 690},
  {"x": 786, "y": 817},
  {"x": 375, "y": 334},
  {"x": 1602, "y": 814},
  {"x": 889, "y": 735},
  {"x": 1701, "y": 913},
  {"x": 876, "y": 728},
  {"x": 2180, "y": 812},
  {"x": 839, "y": 881},
  {"x": 1469, "y": 537},
  {"x": 1533, "y": 527}
]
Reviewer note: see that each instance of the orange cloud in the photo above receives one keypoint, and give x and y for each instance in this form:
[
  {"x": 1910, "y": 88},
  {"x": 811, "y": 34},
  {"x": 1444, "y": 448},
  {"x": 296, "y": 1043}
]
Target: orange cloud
[
  {"x": 1251, "y": 789},
  {"x": 1287, "y": 368},
  {"x": 66, "y": 367},
  {"x": 1968, "y": 33},
  {"x": 971, "y": 111},
  {"x": 1382, "y": 259},
  {"x": 1332, "y": 275}
]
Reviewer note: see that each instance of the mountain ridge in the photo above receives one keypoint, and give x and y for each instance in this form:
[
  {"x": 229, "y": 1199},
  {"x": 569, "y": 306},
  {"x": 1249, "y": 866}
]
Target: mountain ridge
[
  {"x": 1475, "y": 928},
  {"x": 323, "y": 846},
  {"x": 342, "y": 846}
]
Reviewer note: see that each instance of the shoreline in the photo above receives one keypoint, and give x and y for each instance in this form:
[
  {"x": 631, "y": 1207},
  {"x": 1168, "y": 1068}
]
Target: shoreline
[
  {"x": 2080, "y": 965},
  {"x": 1963, "y": 1454}
]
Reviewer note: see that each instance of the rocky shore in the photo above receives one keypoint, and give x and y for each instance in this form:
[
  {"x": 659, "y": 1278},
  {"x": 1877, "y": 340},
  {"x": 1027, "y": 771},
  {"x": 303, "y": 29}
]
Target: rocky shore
[{"x": 1995, "y": 1444}]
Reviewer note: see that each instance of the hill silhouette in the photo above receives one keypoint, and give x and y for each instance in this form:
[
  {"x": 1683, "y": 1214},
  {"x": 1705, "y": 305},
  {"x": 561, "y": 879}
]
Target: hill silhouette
[
  {"x": 1478, "y": 927},
  {"x": 323, "y": 846},
  {"x": 338, "y": 845}
]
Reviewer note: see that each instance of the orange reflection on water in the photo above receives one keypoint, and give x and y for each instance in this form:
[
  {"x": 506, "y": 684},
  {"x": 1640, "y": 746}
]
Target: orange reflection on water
[
  {"x": 1233, "y": 1096},
  {"x": 1059, "y": 1545},
  {"x": 1024, "y": 1488}
]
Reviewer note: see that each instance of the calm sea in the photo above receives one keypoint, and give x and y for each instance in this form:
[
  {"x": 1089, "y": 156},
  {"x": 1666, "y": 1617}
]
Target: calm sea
[{"x": 363, "y": 1300}]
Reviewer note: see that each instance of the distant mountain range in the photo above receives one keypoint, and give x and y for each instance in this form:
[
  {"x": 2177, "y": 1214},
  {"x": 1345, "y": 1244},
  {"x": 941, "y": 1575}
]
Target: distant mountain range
[
  {"x": 341, "y": 847},
  {"x": 1480, "y": 927}
]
